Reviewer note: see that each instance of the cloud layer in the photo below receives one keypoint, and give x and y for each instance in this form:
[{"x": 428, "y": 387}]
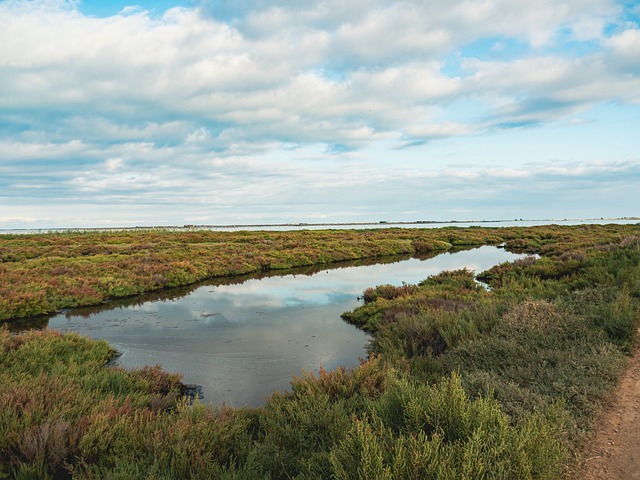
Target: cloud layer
[{"x": 289, "y": 111}]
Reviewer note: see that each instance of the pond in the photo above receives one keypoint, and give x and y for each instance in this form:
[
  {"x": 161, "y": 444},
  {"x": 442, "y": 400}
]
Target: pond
[{"x": 242, "y": 341}]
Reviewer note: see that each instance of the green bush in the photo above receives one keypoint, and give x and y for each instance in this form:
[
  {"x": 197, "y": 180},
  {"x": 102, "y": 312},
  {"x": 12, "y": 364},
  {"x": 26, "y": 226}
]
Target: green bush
[{"x": 421, "y": 431}]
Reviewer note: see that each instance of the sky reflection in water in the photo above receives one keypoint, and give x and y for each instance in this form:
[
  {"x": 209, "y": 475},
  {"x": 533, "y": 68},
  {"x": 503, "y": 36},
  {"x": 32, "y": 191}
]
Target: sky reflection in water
[{"x": 243, "y": 341}]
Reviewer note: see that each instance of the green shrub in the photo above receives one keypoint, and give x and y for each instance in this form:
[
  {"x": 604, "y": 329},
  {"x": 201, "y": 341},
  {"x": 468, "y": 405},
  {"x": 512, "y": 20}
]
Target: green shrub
[
  {"x": 420, "y": 431},
  {"x": 296, "y": 433}
]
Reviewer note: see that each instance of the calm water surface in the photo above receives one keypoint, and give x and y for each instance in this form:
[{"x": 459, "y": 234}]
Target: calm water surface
[
  {"x": 241, "y": 342},
  {"x": 343, "y": 226}
]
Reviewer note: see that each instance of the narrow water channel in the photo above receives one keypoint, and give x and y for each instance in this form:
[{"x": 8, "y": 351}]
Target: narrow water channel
[{"x": 241, "y": 342}]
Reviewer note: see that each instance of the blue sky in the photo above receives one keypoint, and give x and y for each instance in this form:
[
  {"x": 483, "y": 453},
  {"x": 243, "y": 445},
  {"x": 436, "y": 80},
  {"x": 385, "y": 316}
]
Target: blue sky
[{"x": 226, "y": 112}]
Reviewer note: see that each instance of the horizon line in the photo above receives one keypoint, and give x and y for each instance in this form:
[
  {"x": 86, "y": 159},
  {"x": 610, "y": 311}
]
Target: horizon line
[{"x": 308, "y": 224}]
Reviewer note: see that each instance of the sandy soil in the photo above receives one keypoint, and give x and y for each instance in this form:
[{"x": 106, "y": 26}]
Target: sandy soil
[{"x": 614, "y": 451}]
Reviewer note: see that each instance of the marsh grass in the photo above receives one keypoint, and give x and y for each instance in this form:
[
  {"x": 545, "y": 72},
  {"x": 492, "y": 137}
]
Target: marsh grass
[
  {"x": 462, "y": 382},
  {"x": 44, "y": 273}
]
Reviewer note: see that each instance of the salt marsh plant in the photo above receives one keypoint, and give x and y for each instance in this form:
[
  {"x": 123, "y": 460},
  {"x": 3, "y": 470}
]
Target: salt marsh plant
[{"x": 463, "y": 382}]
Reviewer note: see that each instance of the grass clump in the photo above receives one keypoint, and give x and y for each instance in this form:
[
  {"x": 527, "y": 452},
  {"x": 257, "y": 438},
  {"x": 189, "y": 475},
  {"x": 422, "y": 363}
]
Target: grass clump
[{"x": 63, "y": 414}]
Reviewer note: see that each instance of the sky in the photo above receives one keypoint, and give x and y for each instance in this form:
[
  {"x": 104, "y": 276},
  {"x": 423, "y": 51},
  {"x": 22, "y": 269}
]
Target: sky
[{"x": 116, "y": 113}]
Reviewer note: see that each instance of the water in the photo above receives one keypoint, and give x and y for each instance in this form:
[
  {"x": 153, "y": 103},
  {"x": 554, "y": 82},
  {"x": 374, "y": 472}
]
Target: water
[
  {"x": 338, "y": 226},
  {"x": 242, "y": 341}
]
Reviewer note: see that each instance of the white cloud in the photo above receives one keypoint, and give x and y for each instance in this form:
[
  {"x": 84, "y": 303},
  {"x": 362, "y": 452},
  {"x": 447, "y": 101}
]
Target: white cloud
[
  {"x": 625, "y": 52},
  {"x": 194, "y": 67},
  {"x": 11, "y": 150},
  {"x": 113, "y": 164},
  {"x": 249, "y": 105}
]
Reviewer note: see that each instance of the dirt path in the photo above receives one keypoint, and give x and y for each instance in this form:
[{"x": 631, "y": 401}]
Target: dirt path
[{"x": 614, "y": 453}]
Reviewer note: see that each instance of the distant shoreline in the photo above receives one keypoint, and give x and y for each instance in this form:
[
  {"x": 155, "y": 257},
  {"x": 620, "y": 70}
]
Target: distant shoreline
[{"x": 308, "y": 224}]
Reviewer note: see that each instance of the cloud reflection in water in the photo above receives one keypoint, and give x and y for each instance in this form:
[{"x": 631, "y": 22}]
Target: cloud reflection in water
[{"x": 243, "y": 341}]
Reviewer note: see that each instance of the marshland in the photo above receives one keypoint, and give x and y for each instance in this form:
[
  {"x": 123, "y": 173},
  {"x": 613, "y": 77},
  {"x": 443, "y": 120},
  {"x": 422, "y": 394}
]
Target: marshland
[{"x": 498, "y": 373}]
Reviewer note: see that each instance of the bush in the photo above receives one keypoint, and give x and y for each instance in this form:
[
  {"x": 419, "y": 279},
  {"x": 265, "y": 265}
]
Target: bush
[{"x": 419, "y": 431}]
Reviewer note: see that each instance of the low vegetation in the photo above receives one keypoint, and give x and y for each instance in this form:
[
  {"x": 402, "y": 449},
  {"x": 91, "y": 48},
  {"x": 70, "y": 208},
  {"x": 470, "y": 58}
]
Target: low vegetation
[
  {"x": 42, "y": 274},
  {"x": 462, "y": 381}
]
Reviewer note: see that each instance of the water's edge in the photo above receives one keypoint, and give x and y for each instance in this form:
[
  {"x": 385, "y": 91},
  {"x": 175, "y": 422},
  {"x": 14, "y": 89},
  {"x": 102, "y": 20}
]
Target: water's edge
[{"x": 241, "y": 338}]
